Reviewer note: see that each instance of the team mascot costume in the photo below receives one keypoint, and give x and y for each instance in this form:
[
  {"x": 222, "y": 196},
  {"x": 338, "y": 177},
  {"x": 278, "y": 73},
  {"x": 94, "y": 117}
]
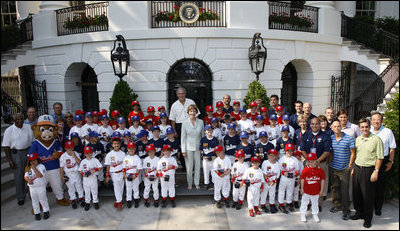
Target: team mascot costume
[{"x": 49, "y": 150}]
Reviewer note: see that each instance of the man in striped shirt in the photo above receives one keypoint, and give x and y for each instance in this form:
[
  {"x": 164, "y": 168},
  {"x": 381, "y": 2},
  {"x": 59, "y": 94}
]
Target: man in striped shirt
[{"x": 343, "y": 158}]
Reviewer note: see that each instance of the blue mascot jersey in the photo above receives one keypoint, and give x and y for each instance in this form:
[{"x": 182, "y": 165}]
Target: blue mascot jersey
[{"x": 46, "y": 154}]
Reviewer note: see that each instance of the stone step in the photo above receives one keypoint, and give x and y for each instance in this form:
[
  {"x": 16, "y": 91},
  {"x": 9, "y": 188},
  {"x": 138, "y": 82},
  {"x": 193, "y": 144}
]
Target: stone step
[
  {"x": 8, "y": 56},
  {"x": 354, "y": 47},
  {"x": 7, "y": 192},
  {"x": 3, "y": 62},
  {"x": 18, "y": 51},
  {"x": 6, "y": 176}
]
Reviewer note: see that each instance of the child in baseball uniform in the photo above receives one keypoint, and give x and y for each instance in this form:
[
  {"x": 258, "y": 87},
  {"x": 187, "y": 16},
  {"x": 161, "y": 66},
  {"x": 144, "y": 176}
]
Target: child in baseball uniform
[
  {"x": 69, "y": 163},
  {"x": 259, "y": 127},
  {"x": 78, "y": 146},
  {"x": 252, "y": 115},
  {"x": 264, "y": 113},
  {"x": 166, "y": 167},
  {"x": 231, "y": 141},
  {"x": 296, "y": 190},
  {"x": 98, "y": 152},
  {"x": 150, "y": 176},
  {"x": 245, "y": 124},
  {"x": 238, "y": 189},
  {"x": 132, "y": 166},
  {"x": 149, "y": 128},
  {"x": 209, "y": 116},
  {"x": 77, "y": 127},
  {"x": 247, "y": 147},
  {"x": 157, "y": 141},
  {"x": 286, "y": 121},
  {"x": 151, "y": 115},
  {"x": 174, "y": 143},
  {"x": 273, "y": 129},
  {"x": 207, "y": 145},
  {"x": 122, "y": 125},
  {"x": 222, "y": 168},
  {"x": 114, "y": 164},
  {"x": 142, "y": 143},
  {"x": 163, "y": 125},
  {"x": 236, "y": 107},
  {"x": 104, "y": 131},
  {"x": 219, "y": 113},
  {"x": 35, "y": 176},
  {"x": 289, "y": 171},
  {"x": 312, "y": 187},
  {"x": 283, "y": 140},
  {"x": 264, "y": 146},
  {"x": 136, "y": 127},
  {"x": 88, "y": 169},
  {"x": 271, "y": 172},
  {"x": 88, "y": 127},
  {"x": 253, "y": 177}
]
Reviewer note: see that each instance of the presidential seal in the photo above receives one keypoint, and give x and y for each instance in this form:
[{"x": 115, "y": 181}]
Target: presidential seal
[{"x": 189, "y": 13}]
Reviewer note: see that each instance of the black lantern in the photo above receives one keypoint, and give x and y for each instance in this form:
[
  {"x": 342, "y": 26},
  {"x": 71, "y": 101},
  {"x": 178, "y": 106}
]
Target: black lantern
[
  {"x": 120, "y": 57},
  {"x": 257, "y": 55}
]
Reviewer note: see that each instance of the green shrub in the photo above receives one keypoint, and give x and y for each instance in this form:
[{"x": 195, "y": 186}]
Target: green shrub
[
  {"x": 122, "y": 98},
  {"x": 388, "y": 24},
  {"x": 392, "y": 121},
  {"x": 256, "y": 91}
]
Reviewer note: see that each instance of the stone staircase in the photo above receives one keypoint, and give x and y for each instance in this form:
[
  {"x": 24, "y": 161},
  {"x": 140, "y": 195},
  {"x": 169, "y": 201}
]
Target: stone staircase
[
  {"x": 19, "y": 56},
  {"x": 383, "y": 106},
  {"x": 7, "y": 176}
]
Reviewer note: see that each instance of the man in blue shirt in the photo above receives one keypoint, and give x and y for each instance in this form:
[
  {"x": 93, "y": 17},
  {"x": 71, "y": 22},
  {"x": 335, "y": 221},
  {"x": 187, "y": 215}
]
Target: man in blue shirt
[
  {"x": 298, "y": 106},
  {"x": 343, "y": 156},
  {"x": 57, "y": 107}
]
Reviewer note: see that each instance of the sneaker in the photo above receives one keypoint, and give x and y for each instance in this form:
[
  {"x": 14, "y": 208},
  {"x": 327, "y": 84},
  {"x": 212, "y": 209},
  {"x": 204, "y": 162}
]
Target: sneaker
[
  {"x": 156, "y": 203},
  {"x": 290, "y": 207},
  {"x": 251, "y": 212},
  {"x": 227, "y": 205},
  {"x": 38, "y": 217},
  {"x": 266, "y": 210},
  {"x": 87, "y": 206},
  {"x": 147, "y": 203},
  {"x": 303, "y": 217},
  {"x": 206, "y": 186},
  {"x": 96, "y": 206},
  {"x": 136, "y": 203},
  {"x": 82, "y": 202},
  {"x": 73, "y": 204},
  {"x": 46, "y": 215},
  {"x": 256, "y": 210},
  {"x": 346, "y": 216},
  {"x": 273, "y": 209},
  {"x": 119, "y": 206},
  {"x": 115, "y": 204},
  {"x": 334, "y": 210},
  {"x": 173, "y": 203},
  {"x": 129, "y": 204},
  {"x": 316, "y": 218},
  {"x": 296, "y": 204},
  {"x": 238, "y": 206},
  {"x": 234, "y": 204},
  {"x": 163, "y": 203},
  {"x": 283, "y": 209},
  {"x": 219, "y": 205}
]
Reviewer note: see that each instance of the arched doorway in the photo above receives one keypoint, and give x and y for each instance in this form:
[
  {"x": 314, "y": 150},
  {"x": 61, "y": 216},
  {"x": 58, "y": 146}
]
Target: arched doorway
[
  {"x": 195, "y": 76},
  {"x": 289, "y": 87},
  {"x": 90, "y": 96}
]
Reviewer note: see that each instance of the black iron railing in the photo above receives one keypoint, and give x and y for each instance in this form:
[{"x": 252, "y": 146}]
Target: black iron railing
[
  {"x": 285, "y": 16},
  {"x": 26, "y": 29},
  {"x": 9, "y": 107},
  {"x": 370, "y": 36},
  {"x": 40, "y": 96},
  {"x": 82, "y": 19},
  {"x": 340, "y": 89},
  {"x": 166, "y": 14}
]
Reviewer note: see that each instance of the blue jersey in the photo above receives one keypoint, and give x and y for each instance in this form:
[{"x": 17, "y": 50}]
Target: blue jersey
[
  {"x": 280, "y": 143},
  {"x": 207, "y": 146},
  {"x": 263, "y": 149},
  {"x": 318, "y": 143},
  {"x": 158, "y": 144},
  {"x": 299, "y": 137},
  {"x": 79, "y": 149},
  {"x": 175, "y": 145},
  {"x": 248, "y": 151},
  {"x": 141, "y": 148},
  {"x": 230, "y": 144},
  {"x": 98, "y": 150},
  {"x": 46, "y": 154}
]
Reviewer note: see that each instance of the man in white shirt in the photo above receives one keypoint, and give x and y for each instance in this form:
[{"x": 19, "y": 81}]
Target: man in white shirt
[
  {"x": 17, "y": 140},
  {"x": 178, "y": 111},
  {"x": 389, "y": 149},
  {"x": 347, "y": 127}
]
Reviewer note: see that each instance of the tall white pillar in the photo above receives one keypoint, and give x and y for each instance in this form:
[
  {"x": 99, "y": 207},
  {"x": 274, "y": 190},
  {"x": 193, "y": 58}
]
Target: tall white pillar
[
  {"x": 26, "y": 7},
  {"x": 348, "y": 7},
  {"x": 53, "y": 5}
]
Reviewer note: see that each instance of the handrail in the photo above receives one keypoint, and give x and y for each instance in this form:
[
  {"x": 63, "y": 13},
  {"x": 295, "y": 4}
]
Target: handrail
[{"x": 9, "y": 106}]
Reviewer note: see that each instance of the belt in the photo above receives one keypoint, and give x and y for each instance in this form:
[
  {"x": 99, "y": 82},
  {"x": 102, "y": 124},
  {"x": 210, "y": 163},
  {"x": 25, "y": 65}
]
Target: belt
[
  {"x": 365, "y": 167},
  {"x": 117, "y": 171},
  {"x": 14, "y": 150}
]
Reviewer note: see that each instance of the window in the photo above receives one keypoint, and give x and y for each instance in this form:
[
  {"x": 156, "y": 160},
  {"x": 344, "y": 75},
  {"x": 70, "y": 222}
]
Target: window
[
  {"x": 366, "y": 8},
  {"x": 8, "y": 13}
]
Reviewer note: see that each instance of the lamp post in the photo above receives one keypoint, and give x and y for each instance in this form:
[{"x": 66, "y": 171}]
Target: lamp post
[
  {"x": 120, "y": 57},
  {"x": 257, "y": 55}
]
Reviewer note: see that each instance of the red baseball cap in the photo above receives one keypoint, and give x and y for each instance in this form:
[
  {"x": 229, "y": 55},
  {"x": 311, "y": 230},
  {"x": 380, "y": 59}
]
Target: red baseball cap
[
  {"x": 263, "y": 109},
  {"x": 135, "y": 102},
  {"x": 219, "y": 148},
  {"x": 79, "y": 112},
  {"x": 103, "y": 112},
  {"x": 240, "y": 153},
  {"x": 161, "y": 107},
  {"x": 273, "y": 151},
  {"x": 289, "y": 146},
  {"x": 311, "y": 156},
  {"x": 255, "y": 158},
  {"x": 209, "y": 108},
  {"x": 278, "y": 108},
  {"x": 115, "y": 113},
  {"x": 219, "y": 104},
  {"x": 131, "y": 145},
  {"x": 95, "y": 113},
  {"x": 236, "y": 102},
  {"x": 150, "y": 147},
  {"x": 167, "y": 147},
  {"x": 88, "y": 149},
  {"x": 33, "y": 156},
  {"x": 69, "y": 144},
  {"x": 150, "y": 108}
]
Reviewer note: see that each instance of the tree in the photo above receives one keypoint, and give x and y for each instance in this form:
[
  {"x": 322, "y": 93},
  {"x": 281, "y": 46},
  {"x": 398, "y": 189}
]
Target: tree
[
  {"x": 256, "y": 91},
  {"x": 122, "y": 98},
  {"x": 392, "y": 121}
]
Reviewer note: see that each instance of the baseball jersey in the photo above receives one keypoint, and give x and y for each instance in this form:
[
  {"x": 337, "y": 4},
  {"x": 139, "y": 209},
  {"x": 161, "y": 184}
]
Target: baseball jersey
[
  {"x": 162, "y": 165},
  {"x": 262, "y": 149},
  {"x": 245, "y": 125},
  {"x": 115, "y": 160},
  {"x": 312, "y": 179},
  {"x": 131, "y": 164},
  {"x": 141, "y": 148},
  {"x": 109, "y": 147},
  {"x": 251, "y": 116},
  {"x": 87, "y": 165},
  {"x": 77, "y": 130},
  {"x": 237, "y": 171},
  {"x": 235, "y": 115},
  {"x": 279, "y": 119},
  {"x": 79, "y": 149},
  {"x": 150, "y": 134},
  {"x": 207, "y": 120},
  {"x": 104, "y": 132},
  {"x": 86, "y": 129},
  {"x": 122, "y": 131},
  {"x": 258, "y": 130},
  {"x": 266, "y": 121},
  {"x": 152, "y": 118},
  {"x": 223, "y": 164},
  {"x": 255, "y": 176},
  {"x": 37, "y": 181},
  {"x": 248, "y": 151},
  {"x": 288, "y": 164},
  {"x": 68, "y": 162},
  {"x": 113, "y": 124},
  {"x": 134, "y": 131},
  {"x": 46, "y": 154},
  {"x": 273, "y": 133},
  {"x": 175, "y": 145},
  {"x": 207, "y": 146},
  {"x": 151, "y": 165},
  {"x": 217, "y": 133},
  {"x": 98, "y": 150},
  {"x": 291, "y": 131},
  {"x": 133, "y": 113},
  {"x": 158, "y": 144},
  {"x": 230, "y": 144},
  {"x": 280, "y": 145},
  {"x": 163, "y": 130},
  {"x": 219, "y": 115},
  {"x": 271, "y": 171}
]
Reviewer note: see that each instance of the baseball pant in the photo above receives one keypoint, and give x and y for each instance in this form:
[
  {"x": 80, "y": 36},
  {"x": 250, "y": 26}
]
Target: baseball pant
[
  {"x": 100, "y": 174},
  {"x": 268, "y": 190},
  {"x": 20, "y": 160},
  {"x": 286, "y": 185},
  {"x": 324, "y": 167},
  {"x": 232, "y": 158},
  {"x": 193, "y": 158},
  {"x": 238, "y": 193},
  {"x": 38, "y": 194},
  {"x": 168, "y": 188},
  {"x": 253, "y": 196},
  {"x": 118, "y": 182},
  {"x": 74, "y": 184},
  {"x": 132, "y": 186},
  {"x": 207, "y": 170},
  {"x": 296, "y": 190},
  {"x": 90, "y": 187},
  {"x": 53, "y": 176},
  {"x": 221, "y": 185},
  {"x": 305, "y": 199},
  {"x": 147, "y": 186}
]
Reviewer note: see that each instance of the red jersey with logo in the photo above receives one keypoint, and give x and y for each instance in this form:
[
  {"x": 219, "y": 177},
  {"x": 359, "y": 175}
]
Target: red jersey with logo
[
  {"x": 207, "y": 120},
  {"x": 312, "y": 179},
  {"x": 220, "y": 115},
  {"x": 252, "y": 117},
  {"x": 152, "y": 118},
  {"x": 279, "y": 119},
  {"x": 114, "y": 125},
  {"x": 236, "y": 116},
  {"x": 132, "y": 113},
  {"x": 266, "y": 121}
]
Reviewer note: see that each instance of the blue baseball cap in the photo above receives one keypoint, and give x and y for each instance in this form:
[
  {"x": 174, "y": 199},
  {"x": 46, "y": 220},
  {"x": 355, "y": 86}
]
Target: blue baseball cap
[
  {"x": 155, "y": 128},
  {"x": 285, "y": 117},
  {"x": 208, "y": 126},
  {"x": 170, "y": 130},
  {"x": 77, "y": 117},
  {"x": 163, "y": 114},
  {"x": 272, "y": 117},
  {"x": 284, "y": 128},
  {"x": 87, "y": 114},
  {"x": 142, "y": 133},
  {"x": 93, "y": 134},
  {"x": 214, "y": 119},
  {"x": 74, "y": 134},
  {"x": 116, "y": 134},
  {"x": 263, "y": 133},
  {"x": 260, "y": 117},
  {"x": 120, "y": 120},
  {"x": 232, "y": 125},
  {"x": 104, "y": 117},
  {"x": 242, "y": 110},
  {"x": 244, "y": 134},
  {"x": 127, "y": 133},
  {"x": 149, "y": 121},
  {"x": 135, "y": 118}
]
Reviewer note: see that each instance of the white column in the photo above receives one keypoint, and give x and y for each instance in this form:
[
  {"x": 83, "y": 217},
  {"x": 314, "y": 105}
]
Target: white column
[
  {"x": 53, "y": 5},
  {"x": 348, "y": 7},
  {"x": 26, "y": 7}
]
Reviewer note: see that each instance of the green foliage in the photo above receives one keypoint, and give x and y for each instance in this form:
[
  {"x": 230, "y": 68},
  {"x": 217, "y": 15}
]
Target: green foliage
[
  {"x": 86, "y": 21},
  {"x": 256, "y": 91},
  {"x": 10, "y": 37},
  {"x": 294, "y": 20},
  {"x": 392, "y": 121},
  {"x": 388, "y": 24},
  {"x": 122, "y": 98},
  {"x": 173, "y": 16}
]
